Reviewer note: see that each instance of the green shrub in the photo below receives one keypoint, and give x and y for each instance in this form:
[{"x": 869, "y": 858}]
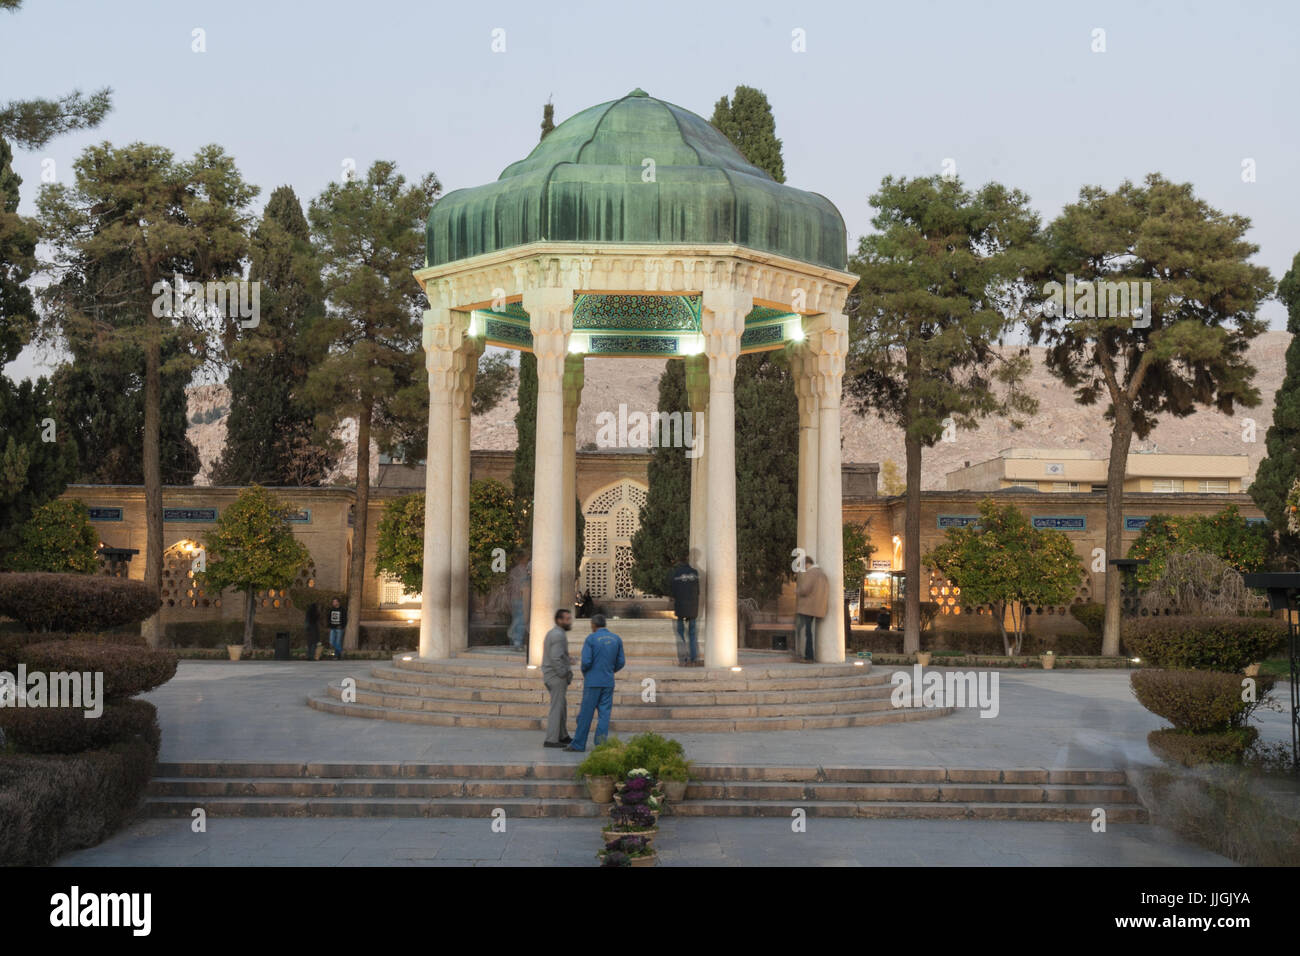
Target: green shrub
[
  {"x": 675, "y": 768},
  {"x": 1198, "y": 701},
  {"x": 13, "y": 643},
  {"x": 1203, "y": 643},
  {"x": 127, "y": 670},
  {"x": 75, "y": 602},
  {"x": 59, "y": 538},
  {"x": 650, "y": 751},
  {"x": 51, "y": 804},
  {"x": 605, "y": 760},
  {"x": 1091, "y": 616},
  {"x": 1193, "y": 749},
  {"x": 67, "y": 730}
]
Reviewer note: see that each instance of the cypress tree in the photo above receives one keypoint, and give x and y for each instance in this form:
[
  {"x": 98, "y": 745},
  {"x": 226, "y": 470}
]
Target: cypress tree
[
  {"x": 271, "y": 424},
  {"x": 746, "y": 119},
  {"x": 521, "y": 478},
  {"x": 665, "y": 529},
  {"x": 1281, "y": 464}
]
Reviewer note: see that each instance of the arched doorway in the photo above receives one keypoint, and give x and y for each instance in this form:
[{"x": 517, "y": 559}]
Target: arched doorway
[{"x": 612, "y": 517}]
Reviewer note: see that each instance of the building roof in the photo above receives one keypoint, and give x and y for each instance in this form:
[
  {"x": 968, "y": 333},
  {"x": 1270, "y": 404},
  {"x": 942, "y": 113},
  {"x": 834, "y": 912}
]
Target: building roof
[{"x": 636, "y": 170}]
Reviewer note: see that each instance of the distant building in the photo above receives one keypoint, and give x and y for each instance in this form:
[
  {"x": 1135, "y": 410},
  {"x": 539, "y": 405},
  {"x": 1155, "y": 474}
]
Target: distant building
[{"x": 1059, "y": 470}]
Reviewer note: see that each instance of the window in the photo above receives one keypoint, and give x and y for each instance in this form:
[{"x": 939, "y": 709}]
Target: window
[
  {"x": 1217, "y": 486},
  {"x": 1167, "y": 485},
  {"x": 1065, "y": 486}
]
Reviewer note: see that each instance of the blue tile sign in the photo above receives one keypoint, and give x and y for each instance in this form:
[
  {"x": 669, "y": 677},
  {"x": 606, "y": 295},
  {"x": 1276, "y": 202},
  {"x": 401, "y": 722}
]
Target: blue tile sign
[
  {"x": 189, "y": 514},
  {"x": 957, "y": 521},
  {"x": 1061, "y": 522},
  {"x": 1135, "y": 522},
  {"x": 105, "y": 514},
  {"x": 298, "y": 517}
]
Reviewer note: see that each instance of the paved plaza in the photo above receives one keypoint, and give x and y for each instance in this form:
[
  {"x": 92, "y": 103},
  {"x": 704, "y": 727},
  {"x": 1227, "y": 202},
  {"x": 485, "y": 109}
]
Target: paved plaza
[{"x": 255, "y": 711}]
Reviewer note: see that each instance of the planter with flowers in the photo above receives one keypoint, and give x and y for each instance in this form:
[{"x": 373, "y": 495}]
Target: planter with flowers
[
  {"x": 601, "y": 768},
  {"x": 1048, "y": 659},
  {"x": 628, "y": 850},
  {"x": 675, "y": 776},
  {"x": 639, "y": 789},
  {"x": 637, "y": 820}
]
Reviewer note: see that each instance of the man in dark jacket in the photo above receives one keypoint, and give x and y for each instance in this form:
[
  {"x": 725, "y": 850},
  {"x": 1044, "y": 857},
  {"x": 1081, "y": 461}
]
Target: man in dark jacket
[
  {"x": 602, "y": 657},
  {"x": 557, "y": 673},
  {"x": 337, "y": 619},
  {"x": 313, "y": 629},
  {"x": 685, "y": 589}
]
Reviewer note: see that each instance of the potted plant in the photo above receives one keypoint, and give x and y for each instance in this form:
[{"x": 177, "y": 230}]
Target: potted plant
[
  {"x": 923, "y": 658},
  {"x": 601, "y": 768},
  {"x": 1048, "y": 659},
  {"x": 236, "y": 651},
  {"x": 614, "y": 858},
  {"x": 675, "y": 773},
  {"x": 636, "y": 849},
  {"x": 637, "y": 820},
  {"x": 639, "y": 789}
]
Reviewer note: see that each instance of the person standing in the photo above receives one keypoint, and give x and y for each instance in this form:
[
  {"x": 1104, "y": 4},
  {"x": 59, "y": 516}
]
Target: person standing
[
  {"x": 337, "y": 619},
  {"x": 602, "y": 658},
  {"x": 313, "y": 629},
  {"x": 811, "y": 597},
  {"x": 685, "y": 589},
  {"x": 557, "y": 672}
]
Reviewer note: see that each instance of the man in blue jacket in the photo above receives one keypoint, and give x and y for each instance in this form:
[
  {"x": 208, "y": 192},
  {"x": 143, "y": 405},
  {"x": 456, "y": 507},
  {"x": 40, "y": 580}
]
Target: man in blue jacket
[{"x": 602, "y": 657}]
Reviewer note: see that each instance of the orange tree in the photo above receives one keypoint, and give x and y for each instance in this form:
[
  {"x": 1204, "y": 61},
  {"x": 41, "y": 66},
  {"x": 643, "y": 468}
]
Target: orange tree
[
  {"x": 59, "y": 538},
  {"x": 252, "y": 548},
  {"x": 1226, "y": 535},
  {"x": 1007, "y": 563}
]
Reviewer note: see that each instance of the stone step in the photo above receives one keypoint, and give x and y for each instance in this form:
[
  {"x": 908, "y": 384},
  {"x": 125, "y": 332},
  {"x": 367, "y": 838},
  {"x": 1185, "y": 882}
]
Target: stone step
[
  {"x": 441, "y": 771},
  {"x": 356, "y": 787},
  {"x": 668, "y": 695},
  {"x": 183, "y": 806},
  {"x": 1092, "y": 795},
  {"x": 906, "y": 810},
  {"x": 661, "y": 722},
  {"x": 632, "y": 707},
  {"x": 913, "y": 775}
]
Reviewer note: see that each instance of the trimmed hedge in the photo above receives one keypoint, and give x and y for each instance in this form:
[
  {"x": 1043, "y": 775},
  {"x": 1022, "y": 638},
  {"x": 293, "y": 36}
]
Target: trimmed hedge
[
  {"x": 1198, "y": 701},
  {"x": 13, "y": 643},
  {"x": 1203, "y": 643},
  {"x": 1091, "y": 616},
  {"x": 67, "y": 730},
  {"x": 127, "y": 670},
  {"x": 1193, "y": 750},
  {"x": 51, "y": 804},
  {"x": 75, "y": 602}
]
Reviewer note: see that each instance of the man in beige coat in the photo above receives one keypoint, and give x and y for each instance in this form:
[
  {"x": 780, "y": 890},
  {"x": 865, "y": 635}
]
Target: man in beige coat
[
  {"x": 557, "y": 672},
  {"x": 811, "y": 596}
]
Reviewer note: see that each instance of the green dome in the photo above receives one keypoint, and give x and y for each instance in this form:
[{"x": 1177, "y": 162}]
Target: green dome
[{"x": 586, "y": 182}]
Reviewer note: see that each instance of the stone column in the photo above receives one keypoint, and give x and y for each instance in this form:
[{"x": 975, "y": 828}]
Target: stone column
[
  {"x": 723, "y": 324},
  {"x": 828, "y": 348},
  {"x": 444, "y": 332},
  {"x": 801, "y": 367},
  {"x": 697, "y": 394},
  {"x": 550, "y": 313},
  {"x": 466, "y": 370},
  {"x": 573, "y": 379}
]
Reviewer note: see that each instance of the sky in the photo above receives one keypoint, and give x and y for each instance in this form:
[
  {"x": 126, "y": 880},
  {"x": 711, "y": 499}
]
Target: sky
[{"x": 1029, "y": 94}]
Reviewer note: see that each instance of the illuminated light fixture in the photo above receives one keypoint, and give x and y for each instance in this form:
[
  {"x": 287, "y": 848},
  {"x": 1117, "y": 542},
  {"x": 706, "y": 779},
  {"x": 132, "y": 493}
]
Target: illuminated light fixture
[
  {"x": 532, "y": 667},
  {"x": 794, "y": 329},
  {"x": 858, "y": 663},
  {"x": 408, "y": 657},
  {"x": 1137, "y": 660},
  {"x": 691, "y": 344},
  {"x": 473, "y": 329},
  {"x": 579, "y": 344},
  {"x": 736, "y": 669}
]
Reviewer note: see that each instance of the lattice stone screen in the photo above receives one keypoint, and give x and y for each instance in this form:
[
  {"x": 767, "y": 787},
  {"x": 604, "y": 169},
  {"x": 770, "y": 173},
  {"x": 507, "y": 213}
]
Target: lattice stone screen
[{"x": 612, "y": 516}]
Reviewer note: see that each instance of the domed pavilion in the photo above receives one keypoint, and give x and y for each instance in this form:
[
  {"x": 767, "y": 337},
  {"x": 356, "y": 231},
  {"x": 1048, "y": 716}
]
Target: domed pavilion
[{"x": 634, "y": 229}]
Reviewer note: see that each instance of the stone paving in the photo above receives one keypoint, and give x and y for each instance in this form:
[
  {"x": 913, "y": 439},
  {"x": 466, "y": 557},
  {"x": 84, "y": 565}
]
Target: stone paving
[
  {"x": 256, "y": 711},
  {"x": 683, "y": 842}
]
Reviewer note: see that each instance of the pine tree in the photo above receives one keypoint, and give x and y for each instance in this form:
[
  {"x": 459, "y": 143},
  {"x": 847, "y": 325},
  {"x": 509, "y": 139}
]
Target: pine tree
[
  {"x": 1281, "y": 464},
  {"x": 269, "y": 416}
]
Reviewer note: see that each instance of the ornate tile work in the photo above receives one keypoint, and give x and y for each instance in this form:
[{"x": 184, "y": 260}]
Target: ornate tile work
[
  {"x": 497, "y": 330},
  {"x": 636, "y": 313},
  {"x": 633, "y": 345}
]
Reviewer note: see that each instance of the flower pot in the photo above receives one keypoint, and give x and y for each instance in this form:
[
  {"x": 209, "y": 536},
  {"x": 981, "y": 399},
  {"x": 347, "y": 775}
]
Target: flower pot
[
  {"x": 609, "y": 833},
  {"x": 923, "y": 658},
  {"x": 316, "y": 654},
  {"x": 1049, "y": 661},
  {"x": 650, "y": 859},
  {"x": 236, "y": 651},
  {"x": 601, "y": 789},
  {"x": 1252, "y": 670},
  {"x": 675, "y": 790}
]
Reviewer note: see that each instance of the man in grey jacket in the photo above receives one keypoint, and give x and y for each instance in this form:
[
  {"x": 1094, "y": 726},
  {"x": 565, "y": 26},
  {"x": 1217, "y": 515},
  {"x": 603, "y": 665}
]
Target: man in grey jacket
[{"x": 557, "y": 672}]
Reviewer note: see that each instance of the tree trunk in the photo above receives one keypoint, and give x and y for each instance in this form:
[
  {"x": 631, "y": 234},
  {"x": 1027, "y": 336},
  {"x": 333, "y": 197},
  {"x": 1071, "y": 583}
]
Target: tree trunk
[
  {"x": 1001, "y": 610},
  {"x": 1121, "y": 437},
  {"x": 357, "y": 571},
  {"x": 250, "y": 609},
  {"x": 152, "y": 466},
  {"x": 912, "y": 549}
]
